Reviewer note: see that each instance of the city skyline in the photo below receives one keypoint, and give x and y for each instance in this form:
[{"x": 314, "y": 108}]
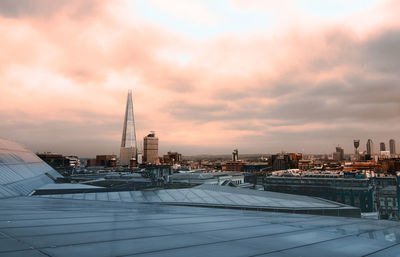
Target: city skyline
[{"x": 206, "y": 77}]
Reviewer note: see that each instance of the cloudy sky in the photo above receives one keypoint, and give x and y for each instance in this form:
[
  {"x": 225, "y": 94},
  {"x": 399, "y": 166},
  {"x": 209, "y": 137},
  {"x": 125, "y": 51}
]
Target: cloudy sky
[{"x": 207, "y": 76}]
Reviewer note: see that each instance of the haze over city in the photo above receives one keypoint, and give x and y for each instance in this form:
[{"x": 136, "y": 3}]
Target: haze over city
[{"x": 301, "y": 76}]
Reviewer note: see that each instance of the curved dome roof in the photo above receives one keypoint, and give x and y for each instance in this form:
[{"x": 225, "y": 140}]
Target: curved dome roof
[{"x": 21, "y": 171}]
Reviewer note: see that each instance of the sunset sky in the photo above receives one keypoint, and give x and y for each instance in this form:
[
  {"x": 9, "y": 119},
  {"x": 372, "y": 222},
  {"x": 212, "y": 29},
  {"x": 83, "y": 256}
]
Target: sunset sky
[{"x": 207, "y": 76}]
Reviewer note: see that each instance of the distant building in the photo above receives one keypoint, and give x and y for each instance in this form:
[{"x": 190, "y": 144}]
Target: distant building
[
  {"x": 284, "y": 161},
  {"x": 385, "y": 153},
  {"x": 356, "y": 143},
  {"x": 382, "y": 146},
  {"x": 306, "y": 164},
  {"x": 133, "y": 163},
  {"x": 370, "y": 147},
  {"x": 53, "y": 159},
  {"x": 255, "y": 167},
  {"x": 140, "y": 158},
  {"x": 72, "y": 160},
  {"x": 109, "y": 160},
  {"x": 62, "y": 164},
  {"x": 392, "y": 146},
  {"x": 150, "y": 149},
  {"x": 339, "y": 154},
  {"x": 172, "y": 158},
  {"x": 389, "y": 164},
  {"x": 91, "y": 162},
  {"x": 128, "y": 149},
  {"x": 235, "y": 155},
  {"x": 233, "y": 166},
  {"x": 351, "y": 169}
]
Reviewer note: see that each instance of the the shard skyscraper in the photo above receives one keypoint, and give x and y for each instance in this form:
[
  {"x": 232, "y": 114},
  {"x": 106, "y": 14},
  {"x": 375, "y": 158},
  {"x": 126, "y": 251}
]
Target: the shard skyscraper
[{"x": 128, "y": 143}]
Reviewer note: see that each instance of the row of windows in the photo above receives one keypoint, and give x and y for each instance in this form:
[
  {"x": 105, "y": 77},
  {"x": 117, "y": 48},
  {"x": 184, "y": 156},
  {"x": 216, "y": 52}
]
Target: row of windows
[{"x": 392, "y": 202}]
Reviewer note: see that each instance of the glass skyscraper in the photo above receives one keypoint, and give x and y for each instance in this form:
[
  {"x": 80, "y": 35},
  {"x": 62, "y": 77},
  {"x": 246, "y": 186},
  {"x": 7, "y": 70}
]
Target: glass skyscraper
[{"x": 128, "y": 149}]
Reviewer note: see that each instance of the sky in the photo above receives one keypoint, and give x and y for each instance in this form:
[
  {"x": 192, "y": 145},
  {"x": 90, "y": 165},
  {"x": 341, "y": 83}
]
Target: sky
[{"x": 207, "y": 76}]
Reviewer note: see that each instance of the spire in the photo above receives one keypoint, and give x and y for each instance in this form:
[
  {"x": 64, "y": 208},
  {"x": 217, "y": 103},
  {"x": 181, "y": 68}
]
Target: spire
[{"x": 129, "y": 133}]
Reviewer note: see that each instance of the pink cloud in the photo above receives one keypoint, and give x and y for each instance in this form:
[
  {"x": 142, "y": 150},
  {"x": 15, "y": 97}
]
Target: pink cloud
[{"x": 73, "y": 64}]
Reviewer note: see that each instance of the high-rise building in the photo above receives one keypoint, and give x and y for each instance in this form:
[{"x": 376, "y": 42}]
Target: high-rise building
[
  {"x": 128, "y": 149},
  {"x": 392, "y": 146},
  {"x": 235, "y": 155},
  {"x": 356, "y": 143},
  {"x": 370, "y": 147},
  {"x": 382, "y": 146},
  {"x": 339, "y": 154},
  {"x": 150, "y": 149}
]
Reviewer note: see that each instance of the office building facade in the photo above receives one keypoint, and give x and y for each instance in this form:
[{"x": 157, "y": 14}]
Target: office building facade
[
  {"x": 339, "y": 154},
  {"x": 150, "y": 149},
  {"x": 370, "y": 147},
  {"x": 382, "y": 146},
  {"x": 392, "y": 146}
]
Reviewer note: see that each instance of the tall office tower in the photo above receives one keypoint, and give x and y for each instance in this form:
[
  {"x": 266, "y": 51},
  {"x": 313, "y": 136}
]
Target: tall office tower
[
  {"x": 370, "y": 147},
  {"x": 150, "y": 149},
  {"x": 356, "y": 145},
  {"x": 339, "y": 154},
  {"x": 392, "y": 146},
  {"x": 235, "y": 155},
  {"x": 382, "y": 146},
  {"x": 128, "y": 149}
]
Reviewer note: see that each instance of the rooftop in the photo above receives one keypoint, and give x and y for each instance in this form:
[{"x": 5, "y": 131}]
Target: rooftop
[
  {"x": 223, "y": 197},
  {"x": 174, "y": 222},
  {"x": 33, "y": 226}
]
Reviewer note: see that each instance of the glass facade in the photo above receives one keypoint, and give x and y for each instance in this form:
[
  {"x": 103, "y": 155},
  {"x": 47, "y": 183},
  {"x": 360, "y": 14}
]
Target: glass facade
[
  {"x": 128, "y": 148},
  {"x": 38, "y": 226},
  {"x": 228, "y": 197},
  {"x": 21, "y": 171}
]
